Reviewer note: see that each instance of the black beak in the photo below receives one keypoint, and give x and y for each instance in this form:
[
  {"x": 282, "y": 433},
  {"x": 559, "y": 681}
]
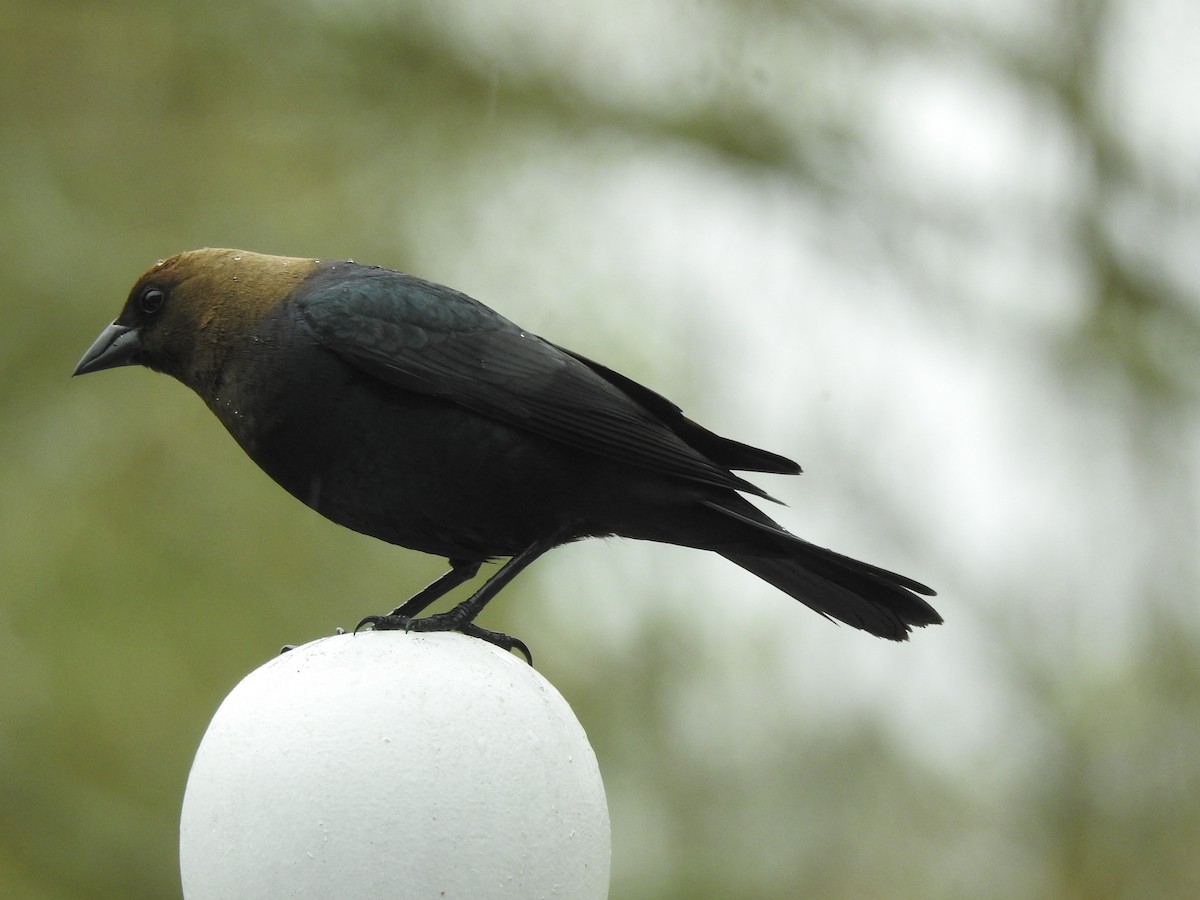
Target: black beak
[{"x": 117, "y": 345}]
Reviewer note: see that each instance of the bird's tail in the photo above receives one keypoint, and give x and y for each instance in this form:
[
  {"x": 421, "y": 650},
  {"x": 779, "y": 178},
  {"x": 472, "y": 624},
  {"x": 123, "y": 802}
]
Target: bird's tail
[
  {"x": 875, "y": 600},
  {"x": 883, "y": 603}
]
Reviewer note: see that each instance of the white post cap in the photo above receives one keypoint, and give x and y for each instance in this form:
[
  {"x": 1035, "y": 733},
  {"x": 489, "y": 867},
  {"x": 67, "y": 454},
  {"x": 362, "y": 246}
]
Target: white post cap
[{"x": 394, "y": 765}]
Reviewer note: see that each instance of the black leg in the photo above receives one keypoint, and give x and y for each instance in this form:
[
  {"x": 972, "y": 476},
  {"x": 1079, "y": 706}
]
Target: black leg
[
  {"x": 462, "y": 617},
  {"x": 466, "y": 611},
  {"x": 460, "y": 571}
]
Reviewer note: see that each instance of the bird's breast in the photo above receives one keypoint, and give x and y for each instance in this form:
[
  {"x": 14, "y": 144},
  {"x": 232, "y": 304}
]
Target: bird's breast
[{"x": 404, "y": 467}]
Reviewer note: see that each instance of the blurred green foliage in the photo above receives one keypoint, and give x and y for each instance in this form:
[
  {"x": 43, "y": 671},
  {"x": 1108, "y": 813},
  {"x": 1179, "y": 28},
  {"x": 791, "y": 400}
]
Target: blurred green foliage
[{"x": 145, "y": 565}]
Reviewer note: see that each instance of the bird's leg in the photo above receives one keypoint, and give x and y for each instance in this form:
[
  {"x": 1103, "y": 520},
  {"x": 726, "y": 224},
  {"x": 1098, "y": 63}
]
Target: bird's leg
[
  {"x": 462, "y": 617},
  {"x": 460, "y": 571}
]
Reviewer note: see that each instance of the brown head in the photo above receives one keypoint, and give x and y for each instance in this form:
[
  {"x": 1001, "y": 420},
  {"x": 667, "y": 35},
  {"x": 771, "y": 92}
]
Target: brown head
[{"x": 185, "y": 314}]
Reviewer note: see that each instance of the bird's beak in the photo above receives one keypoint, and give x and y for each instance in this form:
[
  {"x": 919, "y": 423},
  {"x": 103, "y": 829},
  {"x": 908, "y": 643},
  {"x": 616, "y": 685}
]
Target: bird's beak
[{"x": 117, "y": 345}]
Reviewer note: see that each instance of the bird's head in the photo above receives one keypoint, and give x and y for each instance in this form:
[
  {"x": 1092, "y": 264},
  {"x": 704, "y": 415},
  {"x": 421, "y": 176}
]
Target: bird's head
[{"x": 185, "y": 314}]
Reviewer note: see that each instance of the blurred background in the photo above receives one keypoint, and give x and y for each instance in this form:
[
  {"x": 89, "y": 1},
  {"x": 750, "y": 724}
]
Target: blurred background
[{"x": 945, "y": 254}]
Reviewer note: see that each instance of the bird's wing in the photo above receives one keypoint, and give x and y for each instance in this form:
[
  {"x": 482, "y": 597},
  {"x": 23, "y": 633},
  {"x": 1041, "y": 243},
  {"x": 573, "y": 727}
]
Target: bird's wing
[
  {"x": 429, "y": 339},
  {"x": 728, "y": 453}
]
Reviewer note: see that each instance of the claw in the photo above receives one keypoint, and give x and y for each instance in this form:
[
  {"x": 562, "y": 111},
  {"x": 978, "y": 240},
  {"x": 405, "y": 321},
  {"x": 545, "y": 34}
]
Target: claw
[
  {"x": 384, "y": 623},
  {"x": 447, "y": 622},
  {"x": 505, "y": 642}
]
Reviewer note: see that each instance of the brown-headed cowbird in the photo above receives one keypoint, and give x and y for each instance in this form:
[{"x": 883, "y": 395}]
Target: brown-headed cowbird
[{"x": 410, "y": 412}]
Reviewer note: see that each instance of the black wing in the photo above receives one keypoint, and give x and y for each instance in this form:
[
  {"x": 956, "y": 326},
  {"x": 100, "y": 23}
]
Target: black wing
[
  {"x": 429, "y": 339},
  {"x": 730, "y": 454}
]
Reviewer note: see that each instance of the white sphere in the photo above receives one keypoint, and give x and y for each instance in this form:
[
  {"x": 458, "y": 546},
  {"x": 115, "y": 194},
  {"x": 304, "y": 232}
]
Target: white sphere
[{"x": 394, "y": 765}]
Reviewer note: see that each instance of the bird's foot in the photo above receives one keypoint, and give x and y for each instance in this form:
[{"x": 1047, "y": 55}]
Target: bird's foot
[
  {"x": 446, "y": 621},
  {"x": 390, "y": 622},
  {"x": 505, "y": 642}
]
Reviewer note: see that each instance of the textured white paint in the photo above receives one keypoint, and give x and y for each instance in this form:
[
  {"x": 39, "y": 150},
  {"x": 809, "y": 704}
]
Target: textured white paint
[{"x": 394, "y": 765}]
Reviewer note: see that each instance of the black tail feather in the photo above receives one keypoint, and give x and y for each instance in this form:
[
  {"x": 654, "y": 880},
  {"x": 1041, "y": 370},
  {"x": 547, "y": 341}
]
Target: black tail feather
[
  {"x": 876, "y": 600},
  {"x": 860, "y": 597}
]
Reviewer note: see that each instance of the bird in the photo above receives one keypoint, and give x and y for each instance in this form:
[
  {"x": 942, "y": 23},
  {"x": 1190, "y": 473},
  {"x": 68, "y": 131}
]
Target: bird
[{"x": 408, "y": 411}]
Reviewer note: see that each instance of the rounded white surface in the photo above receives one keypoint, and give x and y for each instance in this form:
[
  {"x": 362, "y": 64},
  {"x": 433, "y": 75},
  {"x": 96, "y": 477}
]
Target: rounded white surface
[{"x": 394, "y": 765}]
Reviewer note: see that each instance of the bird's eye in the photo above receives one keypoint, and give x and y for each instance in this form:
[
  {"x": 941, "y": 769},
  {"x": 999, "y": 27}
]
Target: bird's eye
[{"x": 151, "y": 300}]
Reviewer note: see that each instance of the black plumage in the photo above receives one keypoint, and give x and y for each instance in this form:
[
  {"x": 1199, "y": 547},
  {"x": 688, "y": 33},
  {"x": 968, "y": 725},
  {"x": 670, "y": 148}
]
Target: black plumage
[{"x": 409, "y": 411}]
